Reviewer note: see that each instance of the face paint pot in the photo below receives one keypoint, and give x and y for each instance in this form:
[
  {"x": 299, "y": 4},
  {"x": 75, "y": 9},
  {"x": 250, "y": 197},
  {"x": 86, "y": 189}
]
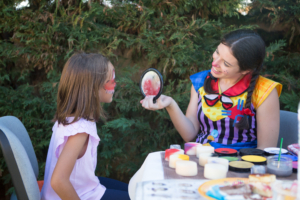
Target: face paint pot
[
  {"x": 190, "y": 148},
  {"x": 251, "y": 151},
  {"x": 257, "y": 160},
  {"x": 175, "y": 146},
  {"x": 240, "y": 166},
  {"x": 258, "y": 169},
  {"x": 226, "y": 152},
  {"x": 274, "y": 151},
  {"x": 229, "y": 158},
  {"x": 295, "y": 166},
  {"x": 284, "y": 167}
]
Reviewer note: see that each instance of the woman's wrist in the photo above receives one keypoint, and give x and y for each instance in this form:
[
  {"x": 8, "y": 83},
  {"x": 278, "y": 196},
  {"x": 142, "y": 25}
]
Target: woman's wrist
[{"x": 172, "y": 104}]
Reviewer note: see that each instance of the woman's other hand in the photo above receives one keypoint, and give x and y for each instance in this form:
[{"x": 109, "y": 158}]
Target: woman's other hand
[{"x": 162, "y": 102}]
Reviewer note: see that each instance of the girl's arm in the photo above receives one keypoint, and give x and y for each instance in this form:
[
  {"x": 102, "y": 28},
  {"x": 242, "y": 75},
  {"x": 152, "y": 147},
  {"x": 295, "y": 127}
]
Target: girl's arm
[
  {"x": 60, "y": 180},
  {"x": 267, "y": 118},
  {"x": 187, "y": 125}
]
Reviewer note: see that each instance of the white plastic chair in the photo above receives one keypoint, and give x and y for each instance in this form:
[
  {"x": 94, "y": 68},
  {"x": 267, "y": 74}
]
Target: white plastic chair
[{"x": 20, "y": 158}]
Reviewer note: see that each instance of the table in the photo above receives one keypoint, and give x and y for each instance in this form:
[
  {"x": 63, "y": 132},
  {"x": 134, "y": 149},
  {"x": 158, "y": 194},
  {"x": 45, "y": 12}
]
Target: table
[
  {"x": 169, "y": 189},
  {"x": 153, "y": 169}
]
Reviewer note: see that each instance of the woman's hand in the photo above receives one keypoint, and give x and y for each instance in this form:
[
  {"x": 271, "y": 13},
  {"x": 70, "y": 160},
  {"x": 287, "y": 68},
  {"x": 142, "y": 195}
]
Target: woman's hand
[
  {"x": 187, "y": 125},
  {"x": 162, "y": 102}
]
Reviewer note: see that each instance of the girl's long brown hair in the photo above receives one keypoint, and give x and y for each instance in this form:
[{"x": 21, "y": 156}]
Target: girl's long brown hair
[{"x": 78, "y": 92}]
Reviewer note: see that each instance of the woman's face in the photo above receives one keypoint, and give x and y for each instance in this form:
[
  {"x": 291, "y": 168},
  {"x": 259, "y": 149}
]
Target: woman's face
[
  {"x": 106, "y": 92},
  {"x": 225, "y": 65}
]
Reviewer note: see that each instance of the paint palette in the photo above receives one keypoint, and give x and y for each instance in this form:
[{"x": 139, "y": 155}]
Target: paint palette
[
  {"x": 205, "y": 187},
  {"x": 258, "y": 160},
  {"x": 240, "y": 166},
  {"x": 226, "y": 152}
]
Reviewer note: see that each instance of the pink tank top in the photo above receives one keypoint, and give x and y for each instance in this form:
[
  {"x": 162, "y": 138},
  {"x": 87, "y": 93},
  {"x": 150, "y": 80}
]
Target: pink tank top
[{"x": 83, "y": 178}]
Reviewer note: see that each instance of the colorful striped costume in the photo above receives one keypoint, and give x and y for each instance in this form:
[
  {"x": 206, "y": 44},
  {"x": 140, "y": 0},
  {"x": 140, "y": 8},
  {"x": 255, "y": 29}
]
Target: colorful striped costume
[{"x": 217, "y": 113}]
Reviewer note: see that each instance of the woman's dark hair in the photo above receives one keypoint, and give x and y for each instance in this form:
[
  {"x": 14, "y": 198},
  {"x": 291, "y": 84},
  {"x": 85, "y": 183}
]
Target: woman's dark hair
[
  {"x": 78, "y": 92},
  {"x": 249, "y": 50}
]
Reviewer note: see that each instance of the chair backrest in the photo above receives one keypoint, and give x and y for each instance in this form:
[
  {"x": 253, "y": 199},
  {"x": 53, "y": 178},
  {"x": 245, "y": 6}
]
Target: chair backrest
[
  {"x": 18, "y": 162},
  {"x": 288, "y": 128},
  {"x": 18, "y": 129}
]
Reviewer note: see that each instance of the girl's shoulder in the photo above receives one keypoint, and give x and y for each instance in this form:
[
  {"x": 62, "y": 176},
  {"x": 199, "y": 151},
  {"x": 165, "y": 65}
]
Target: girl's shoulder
[
  {"x": 80, "y": 126},
  {"x": 62, "y": 132},
  {"x": 263, "y": 88},
  {"x": 198, "y": 79}
]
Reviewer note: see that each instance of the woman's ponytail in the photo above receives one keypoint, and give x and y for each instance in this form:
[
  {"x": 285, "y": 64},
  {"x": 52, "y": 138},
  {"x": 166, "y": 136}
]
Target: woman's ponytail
[{"x": 244, "y": 122}]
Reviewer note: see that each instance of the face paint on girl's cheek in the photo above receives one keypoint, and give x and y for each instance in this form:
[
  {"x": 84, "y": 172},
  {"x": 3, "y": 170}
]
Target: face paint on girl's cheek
[
  {"x": 110, "y": 85},
  {"x": 225, "y": 72}
]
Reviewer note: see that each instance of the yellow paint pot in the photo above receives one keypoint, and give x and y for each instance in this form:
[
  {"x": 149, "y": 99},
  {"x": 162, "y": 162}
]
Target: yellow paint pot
[
  {"x": 240, "y": 166},
  {"x": 183, "y": 157},
  {"x": 258, "y": 160}
]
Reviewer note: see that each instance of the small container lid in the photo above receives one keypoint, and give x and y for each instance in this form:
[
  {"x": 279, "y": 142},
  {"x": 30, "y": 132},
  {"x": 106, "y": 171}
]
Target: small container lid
[
  {"x": 175, "y": 146},
  {"x": 229, "y": 158},
  {"x": 258, "y": 160},
  {"x": 251, "y": 151},
  {"x": 294, "y": 158},
  {"x": 258, "y": 169},
  {"x": 226, "y": 152},
  {"x": 240, "y": 166},
  {"x": 274, "y": 151}
]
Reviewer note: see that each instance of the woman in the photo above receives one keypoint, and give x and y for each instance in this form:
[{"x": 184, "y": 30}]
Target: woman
[{"x": 231, "y": 105}]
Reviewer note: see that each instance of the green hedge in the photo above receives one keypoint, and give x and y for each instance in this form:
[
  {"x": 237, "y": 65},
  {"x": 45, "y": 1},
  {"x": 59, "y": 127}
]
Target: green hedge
[{"x": 177, "y": 37}]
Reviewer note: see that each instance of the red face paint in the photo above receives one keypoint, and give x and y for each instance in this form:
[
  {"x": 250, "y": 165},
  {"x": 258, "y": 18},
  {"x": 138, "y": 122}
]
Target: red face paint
[
  {"x": 111, "y": 84},
  {"x": 214, "y": 64}
]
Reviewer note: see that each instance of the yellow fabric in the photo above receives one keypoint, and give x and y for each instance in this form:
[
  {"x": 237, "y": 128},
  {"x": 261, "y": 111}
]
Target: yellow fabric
[
  {"x": 214, "y": 113},
  {"x": 263, "y": 88},
  {"x": 261, "y": 91}
]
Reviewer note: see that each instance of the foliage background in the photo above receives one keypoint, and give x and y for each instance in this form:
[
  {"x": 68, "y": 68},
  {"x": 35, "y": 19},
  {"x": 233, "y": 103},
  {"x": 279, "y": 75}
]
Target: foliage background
[{"x": 176, "y": 37}]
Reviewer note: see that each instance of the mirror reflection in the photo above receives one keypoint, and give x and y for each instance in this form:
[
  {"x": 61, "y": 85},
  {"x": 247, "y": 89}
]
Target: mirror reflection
[{"x": 151, "y": 83}]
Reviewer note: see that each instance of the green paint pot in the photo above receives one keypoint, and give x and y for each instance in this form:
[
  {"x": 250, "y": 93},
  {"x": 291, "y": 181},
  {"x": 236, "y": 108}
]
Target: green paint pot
[{"x": 231, "y": 158}]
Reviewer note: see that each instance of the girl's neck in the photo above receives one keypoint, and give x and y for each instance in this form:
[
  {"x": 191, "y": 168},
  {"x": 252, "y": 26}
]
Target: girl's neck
[{"x": 91, "y": 118}]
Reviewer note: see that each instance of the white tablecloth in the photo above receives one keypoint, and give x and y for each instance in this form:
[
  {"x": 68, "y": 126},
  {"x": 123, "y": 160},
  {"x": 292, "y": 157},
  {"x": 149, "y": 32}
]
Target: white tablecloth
[{"x": 151, "y": 169}]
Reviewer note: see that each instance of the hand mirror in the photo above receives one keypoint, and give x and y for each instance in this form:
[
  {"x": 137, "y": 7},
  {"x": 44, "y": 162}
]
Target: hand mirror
[{"x": 151, "y": 83}]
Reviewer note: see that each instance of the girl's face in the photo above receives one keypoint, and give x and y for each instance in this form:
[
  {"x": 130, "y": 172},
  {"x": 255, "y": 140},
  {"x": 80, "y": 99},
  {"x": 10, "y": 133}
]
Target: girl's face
[
  {"x": 225, "y": 65},
  {"x": 107, "y": 91}
]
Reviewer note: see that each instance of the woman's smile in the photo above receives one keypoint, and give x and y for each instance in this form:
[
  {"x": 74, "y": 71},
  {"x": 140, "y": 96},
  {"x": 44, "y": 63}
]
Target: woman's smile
[{"x": 215, "y": 71}]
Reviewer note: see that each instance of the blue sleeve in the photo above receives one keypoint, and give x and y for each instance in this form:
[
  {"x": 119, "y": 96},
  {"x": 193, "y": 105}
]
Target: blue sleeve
[{"x": 198, "y": 79}]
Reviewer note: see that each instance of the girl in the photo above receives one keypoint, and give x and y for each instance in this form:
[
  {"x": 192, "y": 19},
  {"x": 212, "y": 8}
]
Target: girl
[
  {"x": 86, "y": 81},
  {"x": 231, "y": 105}
]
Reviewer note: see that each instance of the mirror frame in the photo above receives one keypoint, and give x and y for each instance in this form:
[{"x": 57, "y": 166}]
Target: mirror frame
[{"x": 161, "y": 81}]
